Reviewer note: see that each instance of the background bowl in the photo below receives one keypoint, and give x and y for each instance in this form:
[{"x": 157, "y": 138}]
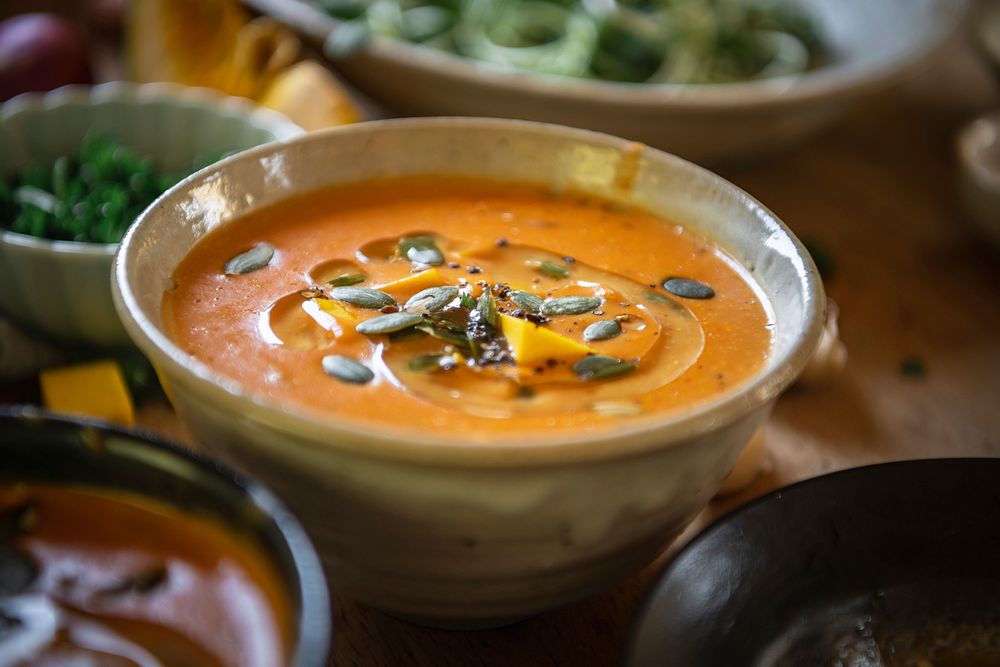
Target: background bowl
[
  {"x": 431, "y": 525},
  {"x": 61, "y": 288},
  {"x": 874, "y": 42},
  {"x": 39, "y": 447},
  {"x": 834, "y": 570}
]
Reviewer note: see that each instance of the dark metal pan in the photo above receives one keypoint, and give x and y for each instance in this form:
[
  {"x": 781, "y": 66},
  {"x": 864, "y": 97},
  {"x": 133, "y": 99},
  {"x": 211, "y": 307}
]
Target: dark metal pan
[{"x": 895, "y": 564}]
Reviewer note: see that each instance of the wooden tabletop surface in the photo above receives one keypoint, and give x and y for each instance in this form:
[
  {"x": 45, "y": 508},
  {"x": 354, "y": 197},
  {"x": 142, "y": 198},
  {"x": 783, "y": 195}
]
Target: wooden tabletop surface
[{"x": 919, "y": 297}]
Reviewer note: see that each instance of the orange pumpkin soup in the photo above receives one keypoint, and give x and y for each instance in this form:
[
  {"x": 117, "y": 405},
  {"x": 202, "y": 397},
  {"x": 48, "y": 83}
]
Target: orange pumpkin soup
[
  {"x": 481, "y": 308},
  {"x": 96, "y": 577}
]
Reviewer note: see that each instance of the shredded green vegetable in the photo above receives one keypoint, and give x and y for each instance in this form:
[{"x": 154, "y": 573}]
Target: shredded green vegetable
[
  {"x": 91, "y": 196},
  {"x": 655, "y": 41}
]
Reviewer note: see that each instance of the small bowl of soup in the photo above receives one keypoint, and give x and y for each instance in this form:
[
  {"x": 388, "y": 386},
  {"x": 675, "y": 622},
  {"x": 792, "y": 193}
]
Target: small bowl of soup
[
  {"x": 117, "y": 549},
  {"x": 494, "y": 366}
]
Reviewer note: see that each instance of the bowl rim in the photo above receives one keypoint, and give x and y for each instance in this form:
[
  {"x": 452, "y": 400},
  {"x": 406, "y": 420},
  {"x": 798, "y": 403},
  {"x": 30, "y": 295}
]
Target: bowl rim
[
  {"x": 650, "y": 434},
  {"x": 809, "y": 87},
  {"x": 279, "y": 126},
  {"x": 314, "y": 626},
  {"x": 644, "y": 612}
]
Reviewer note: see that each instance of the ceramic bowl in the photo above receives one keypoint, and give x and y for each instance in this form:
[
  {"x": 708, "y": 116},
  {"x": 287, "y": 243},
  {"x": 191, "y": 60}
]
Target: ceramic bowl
[
  {"x": 429, "y": 525},
  {"x": 36, "y": 446},
  {"x": 978, "y": 147},
  {"x": 61, "y": 289},
  {"x": 891, "y": 564},
  {"x": 875, "y": 43}
]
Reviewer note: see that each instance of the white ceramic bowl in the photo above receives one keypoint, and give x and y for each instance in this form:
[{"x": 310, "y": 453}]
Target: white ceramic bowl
[
  {"x": 978, "y": 146},
  {"x": 61, "y": 288},
  {"x": 430, "y": 525},
  {"x": 874, "y": 42}
]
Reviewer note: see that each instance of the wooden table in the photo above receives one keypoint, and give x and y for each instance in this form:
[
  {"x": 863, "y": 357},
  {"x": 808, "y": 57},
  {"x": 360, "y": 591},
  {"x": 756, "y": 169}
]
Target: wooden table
[{"x": 914, "y": 282}]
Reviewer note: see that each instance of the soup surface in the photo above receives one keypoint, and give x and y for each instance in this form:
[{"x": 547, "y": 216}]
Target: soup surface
[
  {"x": 95, "y": 578},
  {"x": 471, "y": 309}
]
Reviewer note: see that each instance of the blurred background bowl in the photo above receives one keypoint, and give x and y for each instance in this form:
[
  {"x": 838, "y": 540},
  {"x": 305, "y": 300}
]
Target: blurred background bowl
[
  {"x": 36, "y": 446},
  {"x": 874, "y": 44},
  {"x": 891, "y": 564},
  {"x": 61, "y": 289},
  {"x": 429, "y": 525}
]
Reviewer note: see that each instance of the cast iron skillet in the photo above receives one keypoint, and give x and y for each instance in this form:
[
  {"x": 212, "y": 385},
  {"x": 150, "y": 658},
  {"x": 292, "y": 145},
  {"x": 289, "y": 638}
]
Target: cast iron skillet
[
  {"x": 883, "y": 565},
  {"x": 38, "y": 446}
]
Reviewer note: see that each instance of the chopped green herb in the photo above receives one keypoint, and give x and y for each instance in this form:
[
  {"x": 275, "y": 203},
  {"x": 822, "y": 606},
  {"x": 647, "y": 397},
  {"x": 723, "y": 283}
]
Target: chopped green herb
[
  {"x": 431, "y": 363},
  {"x": 91, "y": 196}
]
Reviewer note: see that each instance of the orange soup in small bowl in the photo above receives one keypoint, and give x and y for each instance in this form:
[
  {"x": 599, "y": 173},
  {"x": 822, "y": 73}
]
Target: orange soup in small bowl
[{"x": 495, "y": 365}]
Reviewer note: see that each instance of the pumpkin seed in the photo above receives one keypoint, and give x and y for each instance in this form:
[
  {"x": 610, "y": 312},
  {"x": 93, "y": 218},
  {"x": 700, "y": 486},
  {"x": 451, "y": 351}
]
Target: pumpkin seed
[
  {"x": 253, "y": 259},
  {"x": 363, "y": 297},
  {"x": 384, "y": 324},
  {"x": 600, "y": 367},
  {"x": 431, "y": 299},
  {"x": 347, "y": 370},
  {"x": 528, "y": 301},
  {"x": 421, "y": 250},
  {"x": 346, "y": 280},
  {"x": 570, "y": 305},
  {"x": 688, "y": 289},
  {"x": 553, "y": 270},
  {"x": 602, "y": 330}
]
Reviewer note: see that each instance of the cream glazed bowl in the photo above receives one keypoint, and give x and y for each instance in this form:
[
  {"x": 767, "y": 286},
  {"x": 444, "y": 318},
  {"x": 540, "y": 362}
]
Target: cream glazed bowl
[{"x": 435, "y": 526}]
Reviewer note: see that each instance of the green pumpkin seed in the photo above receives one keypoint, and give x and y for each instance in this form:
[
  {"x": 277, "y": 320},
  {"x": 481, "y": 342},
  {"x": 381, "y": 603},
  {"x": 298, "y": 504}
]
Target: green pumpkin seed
[
  {"x": 346, "y": 280},
  {"x": 688, "y": 289},
  {"x": 363, "y": 297},
  {"x": 601, "y": 367},
  {"x": 253, "y": 259},
  {"x": 385, "y": 324},
  {"x": 528, "y": 301},
  {"x": 421, "y": 250},
  {"x": 347, "y": 370},
  {"x": 602, "y": 330},
  {"x": 553, "y": 270},
  {"x": 570, "y": 305},
  {"x": 431, "y": 299}
]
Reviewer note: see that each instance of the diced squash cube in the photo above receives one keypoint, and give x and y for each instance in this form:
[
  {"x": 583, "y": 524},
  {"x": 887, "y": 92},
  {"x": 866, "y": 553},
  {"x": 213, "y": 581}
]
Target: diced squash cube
[
  {"x": 410, "y": 285},
  {"x": 95, "y": 389},
  {"x": 533, "y": 345}
]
